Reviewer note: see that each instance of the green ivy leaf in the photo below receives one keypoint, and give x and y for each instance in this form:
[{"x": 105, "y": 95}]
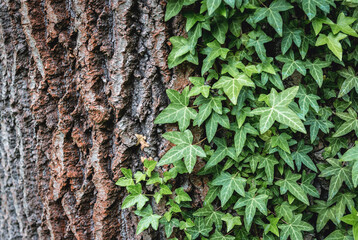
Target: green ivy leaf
[
  {"x": 183, "y": 149},
  {"x": 310, "y": 7},
  {"x": 148, "y": 218},
  {"x": 300, "y": 156},
  {"x": 178, "y": 110},
  {"x": 294, "y": 228},
  {"x": 350, "y": 82},
  {"x": 325, "y": 213},
  {"x": 173, "y": 8},
  {"x": 169, "y": 225},
  {"x": 352, "y": 219},
  {"x": 278, "y": 110},
  {"x": 211, "y": 125},
  {"x": 290, "y": 35},
  {"x": 200, "y": 228},
  {"x": 251, "y": 201},
  {"x": 291, "y": 65},
  {"x": 229, "y": 183},
  {"x": 338, "y": 174},
  {"x": 343, "y": 25},
  {"x": 182, "y": 196},
  {"x": 272, "y": 226},
  {"x": 332, "y": 42},
  {"x": 351, "y": 123},
  {"x": 272, "y": 13},
  {"x": 257, "y": 40},
  {"x": 231, "y": 221},
  {"x": 233, "y": 85},
  {"x": 211, "y": 216},
  {"x": 220, "y": 28},
  {"x": 268, "y": 163},
  {"x": 219, "y": 236},
  {"x": 212, "y": 5},
  {"x": 290, "y": 183}
]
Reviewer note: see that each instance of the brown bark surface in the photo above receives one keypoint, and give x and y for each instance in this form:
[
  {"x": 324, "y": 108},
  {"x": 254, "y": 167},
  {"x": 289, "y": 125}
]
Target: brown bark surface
[{"x": 78, "y": 80}]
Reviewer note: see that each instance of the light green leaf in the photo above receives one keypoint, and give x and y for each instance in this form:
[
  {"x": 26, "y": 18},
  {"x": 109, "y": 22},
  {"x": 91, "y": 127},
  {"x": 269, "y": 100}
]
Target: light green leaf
[
  {"x": 173, "y": 8},
  {"x": 148, "y": 218},
  {"x": 229, "y": 183},
  {"x": 251, "y": 201},
  {"x": 332, "y": 42},
  {"x": 233, "y": 85},
  {"x": 183, "y": 149},
  {"x": 294, "y": 228}
]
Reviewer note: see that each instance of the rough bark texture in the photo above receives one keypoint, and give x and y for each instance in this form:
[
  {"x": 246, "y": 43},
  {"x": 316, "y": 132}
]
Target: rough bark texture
[{"x": 78, "y": 80}]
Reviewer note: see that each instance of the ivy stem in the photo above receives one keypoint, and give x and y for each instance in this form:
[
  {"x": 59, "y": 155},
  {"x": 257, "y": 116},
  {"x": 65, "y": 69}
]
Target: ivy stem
[
  {"x": 202, "y": 140},
  {"x": 263, "y": 4}
]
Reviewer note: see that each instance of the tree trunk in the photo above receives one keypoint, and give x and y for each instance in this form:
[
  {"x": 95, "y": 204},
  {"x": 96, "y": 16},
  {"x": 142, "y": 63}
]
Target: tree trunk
[{"x": 79, "y": 78}]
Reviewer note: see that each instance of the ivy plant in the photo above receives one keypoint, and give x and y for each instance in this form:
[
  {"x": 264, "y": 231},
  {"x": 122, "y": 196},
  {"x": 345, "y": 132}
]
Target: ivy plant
[{"x": 275, "y": 91}]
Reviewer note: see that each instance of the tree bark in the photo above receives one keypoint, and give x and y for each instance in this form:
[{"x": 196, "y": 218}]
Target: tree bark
[{"x": 79, "y": 78}]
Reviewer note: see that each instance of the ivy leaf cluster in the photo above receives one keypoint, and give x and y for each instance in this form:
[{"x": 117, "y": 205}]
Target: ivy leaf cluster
[{"x": 275, "y": 92}]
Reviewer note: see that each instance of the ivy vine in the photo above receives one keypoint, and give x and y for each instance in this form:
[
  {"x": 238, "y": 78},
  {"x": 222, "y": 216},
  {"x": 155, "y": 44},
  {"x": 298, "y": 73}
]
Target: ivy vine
[{"x": 277, "y": 95}]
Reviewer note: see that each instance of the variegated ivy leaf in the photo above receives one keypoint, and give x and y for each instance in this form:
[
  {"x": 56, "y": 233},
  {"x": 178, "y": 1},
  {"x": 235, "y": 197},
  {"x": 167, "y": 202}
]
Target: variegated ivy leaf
[
  {"x": 325, "y": 212},
  {"x": 350, "y": 82},
  {"x": 178, "y": 110},
  {"x": 290, "y": 65},
  {"x": 352, "y": 155},
  {"x": 257, "y": 40},
  {"x": 211, "y": 216},
  {"x": 251, "y": 202},
  {"x": 214, "y": 120},
  {"x": 294, "y": 228},
  {"x": 229, "y": 183},
  {"x": 351, "y": 123},
  {"x": 300, "y": 156},
  {"x": 338, "y": 174},
  {"x": 279, "y": 111},
  {"x": 316, "y": 125},
  {"x": 206, "y": 106},
  {"x": 233, "y": 85},
  {"x": 183, "y": 149},
  {"x": 290, "y": 183},
  {"x": 221, "y": 152},
  {"x": 181, "y": 52},
  {"x": 316, "y": 70},
  {"x": 200, "y": 228},
  {"x": 268, "y": 164},
  {"x": 219, "y": 236},
  {"x": 148, "y": 218},
  {"x": 273, "y": 14},
  {"x": 290, "y": 35}
]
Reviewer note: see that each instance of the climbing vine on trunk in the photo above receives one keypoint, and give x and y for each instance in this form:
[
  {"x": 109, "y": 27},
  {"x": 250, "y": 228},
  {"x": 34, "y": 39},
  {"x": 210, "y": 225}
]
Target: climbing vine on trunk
[{"x": 277, "y": 94}]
